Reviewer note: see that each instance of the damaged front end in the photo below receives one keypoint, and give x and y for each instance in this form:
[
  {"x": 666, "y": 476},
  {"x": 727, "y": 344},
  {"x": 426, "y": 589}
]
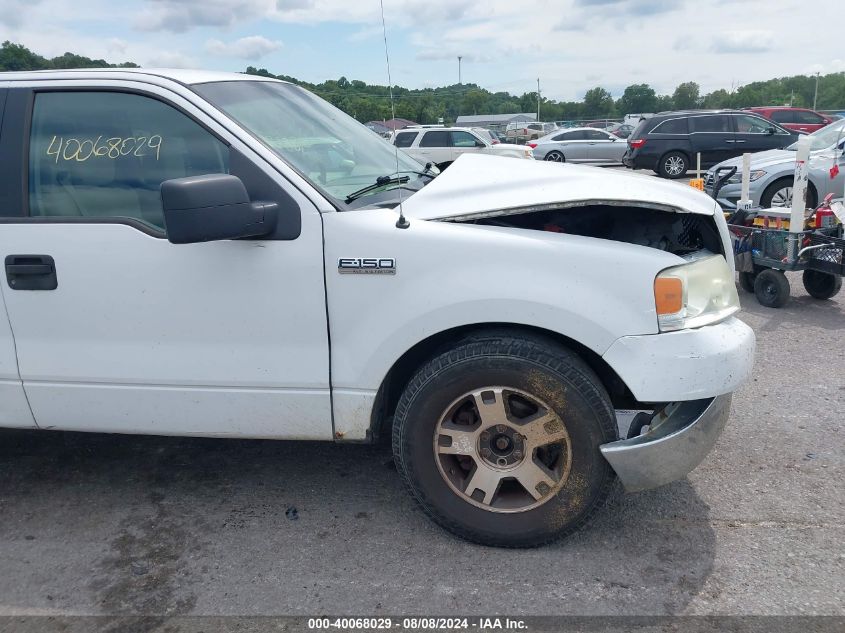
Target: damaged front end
[{"x": 641, "y": 223}]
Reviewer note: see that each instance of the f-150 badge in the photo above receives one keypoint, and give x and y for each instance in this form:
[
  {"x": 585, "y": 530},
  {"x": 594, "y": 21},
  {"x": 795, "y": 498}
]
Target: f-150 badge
[{"x": 367, "y": 265}]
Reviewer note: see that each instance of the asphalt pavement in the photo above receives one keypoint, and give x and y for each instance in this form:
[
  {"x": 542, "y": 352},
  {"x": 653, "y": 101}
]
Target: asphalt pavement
[{"x": 100, "y": 524}]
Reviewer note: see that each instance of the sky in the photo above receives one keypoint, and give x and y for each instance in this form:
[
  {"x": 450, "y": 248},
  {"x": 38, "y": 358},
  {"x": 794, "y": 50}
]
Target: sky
[{"x": 506, "y": 45}]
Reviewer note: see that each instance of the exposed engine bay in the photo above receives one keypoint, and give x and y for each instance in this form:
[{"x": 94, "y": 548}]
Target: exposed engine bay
[{"x": 677, "y": 233}]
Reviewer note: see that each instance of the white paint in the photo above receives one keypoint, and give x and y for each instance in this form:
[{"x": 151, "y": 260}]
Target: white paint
[
  {"x": 701, "y": 363},
  {"x": 14, "y": 409},
  {"x": 799, "y": 187},
  {"x": 132, "y": 309},
  {"x": 157, "y": 410},
  {"x": 478, "y": 184},
  {"x": 746, "y": 176}
]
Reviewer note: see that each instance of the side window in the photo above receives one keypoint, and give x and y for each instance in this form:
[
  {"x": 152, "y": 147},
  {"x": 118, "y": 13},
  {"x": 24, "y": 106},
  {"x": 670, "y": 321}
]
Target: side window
[
  {"x": 712, "y": 123},
  {"x": 783, "y": 116},
  {"x": 579, "y": 135},
  {"x": 105, "y": 154},
  {"x": 438, "y": 138},
  {"x": 810, "y": 118},
  {"x": 404, "y": 139},
  {"x": 463, "y": 139},
  {"x": 596, "y": 135},
  {"x": 671, "y": 126},
  {"x": 746, "y": 124}
]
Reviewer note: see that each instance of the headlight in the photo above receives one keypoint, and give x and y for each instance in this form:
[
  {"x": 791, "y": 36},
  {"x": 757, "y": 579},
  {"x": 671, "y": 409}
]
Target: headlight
[
  {"x": 755, "y": 175},
  {"x": 695, "y": 294}
]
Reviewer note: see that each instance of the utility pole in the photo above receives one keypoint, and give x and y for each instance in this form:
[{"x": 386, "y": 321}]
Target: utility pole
[
  {"x": 459, "y": 69},
  {"x": 816, "y": 94},
  {"x": 538, "y": 99}
]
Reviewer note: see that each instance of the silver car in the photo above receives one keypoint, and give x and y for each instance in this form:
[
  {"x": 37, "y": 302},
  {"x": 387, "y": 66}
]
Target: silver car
[
  {"x": 580, "y": 145},
  {"x": 773, "y": 171}
]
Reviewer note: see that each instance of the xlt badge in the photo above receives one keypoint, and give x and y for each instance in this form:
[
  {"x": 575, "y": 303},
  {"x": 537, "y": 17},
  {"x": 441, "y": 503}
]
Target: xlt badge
[{"x": 367, "y": 265}]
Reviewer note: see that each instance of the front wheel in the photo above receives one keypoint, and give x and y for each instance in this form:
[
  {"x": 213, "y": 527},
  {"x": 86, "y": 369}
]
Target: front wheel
[
  {"x": 555, "y": 157},
  {"x": 673, "y": 165},
  {"x": 821, "y": 285},
  {"x": 498, "y": 440}
]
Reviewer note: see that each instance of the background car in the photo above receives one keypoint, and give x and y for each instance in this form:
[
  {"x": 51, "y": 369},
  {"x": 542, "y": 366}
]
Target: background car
[
  {"x": 796, "y": 119},
  {"x": 580, "y": 145},
  {"x": 442, "y": 145},
  {"x": 669, "y": 142},
  {"x": 622, "y": 130},
  {"x": 773, "y": 172},
  {"x": 524, "y": 132}
]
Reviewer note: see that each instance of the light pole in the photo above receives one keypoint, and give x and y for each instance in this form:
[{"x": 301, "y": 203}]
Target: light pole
[
  {"x": 538, "y": 99},
  {"x": 816, "y": 93},
  {"x": 459, "y": 70}
]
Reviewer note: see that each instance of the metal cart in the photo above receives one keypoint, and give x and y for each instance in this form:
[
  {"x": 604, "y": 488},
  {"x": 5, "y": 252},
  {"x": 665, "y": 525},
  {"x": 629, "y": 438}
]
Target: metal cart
[{"x": 762, "y": 256}]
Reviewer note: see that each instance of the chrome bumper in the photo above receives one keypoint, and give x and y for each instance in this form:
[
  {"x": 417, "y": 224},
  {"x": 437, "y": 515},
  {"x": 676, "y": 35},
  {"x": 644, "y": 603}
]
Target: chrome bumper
[{"x": 679, "y": 439}]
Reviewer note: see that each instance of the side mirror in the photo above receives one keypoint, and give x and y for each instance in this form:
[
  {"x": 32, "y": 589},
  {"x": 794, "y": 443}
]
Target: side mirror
[
  {"x": 213, "y": 207},
  {"x": 770, "y": 131}
]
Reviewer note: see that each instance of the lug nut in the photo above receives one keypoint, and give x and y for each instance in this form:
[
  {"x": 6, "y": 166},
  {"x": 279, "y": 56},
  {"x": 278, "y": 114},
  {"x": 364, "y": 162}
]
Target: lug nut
[
  {"x": 485, "y": 436},
  {"x": 485, "y": 452},
  {"x": 517, "y": 454},
  {"x": 501, "y": 428}
]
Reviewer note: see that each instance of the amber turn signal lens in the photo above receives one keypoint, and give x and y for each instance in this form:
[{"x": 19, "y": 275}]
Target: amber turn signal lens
[{"x": 668, "y": 295}]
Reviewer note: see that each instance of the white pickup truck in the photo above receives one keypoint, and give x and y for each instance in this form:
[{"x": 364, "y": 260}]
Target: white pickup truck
[{"x": 210, "y": 254}]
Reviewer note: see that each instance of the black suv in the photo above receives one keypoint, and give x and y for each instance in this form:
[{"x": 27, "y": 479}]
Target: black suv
[{"x": 668, "y": 142}]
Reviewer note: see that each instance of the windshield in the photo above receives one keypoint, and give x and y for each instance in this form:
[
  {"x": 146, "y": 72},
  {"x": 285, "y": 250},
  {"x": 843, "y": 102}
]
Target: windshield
[
  {"x": 333, "y": 151},
  {"x": 826, "y": 137}
]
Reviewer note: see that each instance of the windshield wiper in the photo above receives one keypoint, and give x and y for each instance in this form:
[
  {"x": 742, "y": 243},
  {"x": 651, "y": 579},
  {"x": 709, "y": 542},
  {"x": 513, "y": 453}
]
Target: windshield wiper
[{"x": 381, "y": 181}]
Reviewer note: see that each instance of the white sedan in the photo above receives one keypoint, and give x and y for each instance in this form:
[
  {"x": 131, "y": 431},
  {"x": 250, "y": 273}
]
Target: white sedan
[{"x": 580, "y": 145}]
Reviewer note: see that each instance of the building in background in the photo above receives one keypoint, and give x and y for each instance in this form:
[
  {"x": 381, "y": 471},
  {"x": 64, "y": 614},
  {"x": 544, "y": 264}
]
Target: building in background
[
  {"x": 384, "y": 128},
  {"x": 495, "y": 122}
]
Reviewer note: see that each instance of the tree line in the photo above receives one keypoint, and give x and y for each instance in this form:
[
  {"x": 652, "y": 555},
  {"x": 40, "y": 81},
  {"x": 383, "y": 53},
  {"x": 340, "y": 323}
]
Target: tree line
[{"x": 370, "y": 102}]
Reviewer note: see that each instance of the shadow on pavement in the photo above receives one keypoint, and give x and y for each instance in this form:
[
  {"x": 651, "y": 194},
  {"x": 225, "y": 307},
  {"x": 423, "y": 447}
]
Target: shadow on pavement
[{"x": 166, "y": 526}]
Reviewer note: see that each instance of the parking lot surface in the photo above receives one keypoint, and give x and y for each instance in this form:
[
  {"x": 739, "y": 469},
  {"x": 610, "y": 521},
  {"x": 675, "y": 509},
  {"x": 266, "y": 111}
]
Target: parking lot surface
[{"x": 93, "y": 524}]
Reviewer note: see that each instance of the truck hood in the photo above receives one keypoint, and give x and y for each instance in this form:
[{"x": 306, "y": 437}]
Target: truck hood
[{"x": 484, "y": 186}]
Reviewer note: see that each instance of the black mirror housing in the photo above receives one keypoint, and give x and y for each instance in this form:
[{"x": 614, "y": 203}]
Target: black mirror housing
[{"x": 213, "y": 207}]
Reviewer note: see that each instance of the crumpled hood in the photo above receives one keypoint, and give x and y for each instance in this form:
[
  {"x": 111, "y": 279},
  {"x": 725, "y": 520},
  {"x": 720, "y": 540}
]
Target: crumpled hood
[{"x": 476, "y": 184}]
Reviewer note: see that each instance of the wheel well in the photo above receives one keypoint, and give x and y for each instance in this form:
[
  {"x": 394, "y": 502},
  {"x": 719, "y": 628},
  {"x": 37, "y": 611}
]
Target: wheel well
[
  {"x": 404, "y": 368},
  {"x": 810, "y": 187}
]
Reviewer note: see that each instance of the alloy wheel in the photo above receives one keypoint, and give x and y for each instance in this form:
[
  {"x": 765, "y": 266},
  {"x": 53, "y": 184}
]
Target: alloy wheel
[
  {"x": 674, "y": 165},
  {"x": 502, "y": 449}
]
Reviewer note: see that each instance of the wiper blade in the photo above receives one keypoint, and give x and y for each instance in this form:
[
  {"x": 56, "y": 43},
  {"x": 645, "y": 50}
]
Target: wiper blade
[{"x": 381, "y": 181}]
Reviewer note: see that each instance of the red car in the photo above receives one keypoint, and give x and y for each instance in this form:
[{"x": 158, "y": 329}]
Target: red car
[{"x": 796, "y": 119}]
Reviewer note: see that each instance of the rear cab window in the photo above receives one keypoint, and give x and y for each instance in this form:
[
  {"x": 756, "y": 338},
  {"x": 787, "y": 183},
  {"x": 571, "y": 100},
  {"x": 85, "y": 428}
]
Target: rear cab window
[{"x": 783, "y": 116}]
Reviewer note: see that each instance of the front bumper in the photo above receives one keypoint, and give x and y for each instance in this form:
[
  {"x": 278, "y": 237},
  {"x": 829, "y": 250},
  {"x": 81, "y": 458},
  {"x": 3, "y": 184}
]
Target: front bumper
[
  {"x": 676, "y": 442},
  {"x": 731, "y": 193},
  {"x": 685, "y": 365}
]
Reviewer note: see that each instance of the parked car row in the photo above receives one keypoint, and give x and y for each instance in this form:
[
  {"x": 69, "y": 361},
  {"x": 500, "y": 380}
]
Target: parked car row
[
  {"x": 772, "y": 172},
  {"x": 669, "y": 142},
  {"x": 580, "y": 145},
  {"x": 441, "y": 146}
]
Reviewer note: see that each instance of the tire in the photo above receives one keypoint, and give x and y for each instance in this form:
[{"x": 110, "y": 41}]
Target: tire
[
  {"x": 771, "y": 288},
  {"x": 555, "y": 157},
  {"x": 673, "y": 165},
  {"x": 505, "y": 373},
  {"x": 821, "y": 285},
  {"x": 746, "y": 281},
  {"x": 779, "y": 194}
]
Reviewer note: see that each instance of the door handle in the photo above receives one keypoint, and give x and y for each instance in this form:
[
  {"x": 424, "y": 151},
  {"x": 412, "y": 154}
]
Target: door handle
[
  {"x": 729, "y": 141},
  {"x": 740, "y": 141},
  {"x": 31, "y": 272}
]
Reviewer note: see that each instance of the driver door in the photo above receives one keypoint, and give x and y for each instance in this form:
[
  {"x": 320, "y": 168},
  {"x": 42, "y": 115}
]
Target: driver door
[{"x": 119, "y": 330}]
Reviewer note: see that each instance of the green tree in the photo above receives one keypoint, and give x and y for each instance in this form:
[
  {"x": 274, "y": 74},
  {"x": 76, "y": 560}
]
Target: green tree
[
  {"x": 686, "y": 96},
  {"x": 664, "y": 103},
  {"x": 598, "y": 102},
  {"x": 17, "y": 57},
  {"x": 637, "y": 98}
]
